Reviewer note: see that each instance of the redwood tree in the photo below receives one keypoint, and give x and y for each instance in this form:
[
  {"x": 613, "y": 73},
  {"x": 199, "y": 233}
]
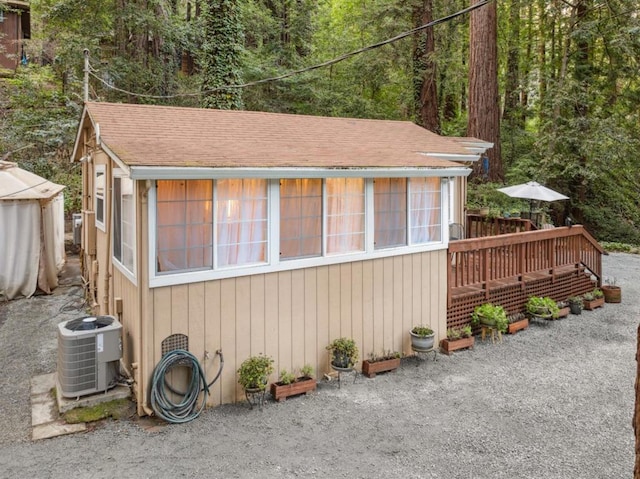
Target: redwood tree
[
  {"x": 484, "y": 102},
  {"x": 424, "y": 70}
]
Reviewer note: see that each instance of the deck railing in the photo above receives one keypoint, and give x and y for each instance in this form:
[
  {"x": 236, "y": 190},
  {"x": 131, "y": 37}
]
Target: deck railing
[
  {"x": 480, "y": 226},
  {"x": 480, "y": 263}
]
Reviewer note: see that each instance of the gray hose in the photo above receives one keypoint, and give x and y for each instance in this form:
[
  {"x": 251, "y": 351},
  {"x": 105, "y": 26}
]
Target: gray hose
[{"x": 187, "y": 408}]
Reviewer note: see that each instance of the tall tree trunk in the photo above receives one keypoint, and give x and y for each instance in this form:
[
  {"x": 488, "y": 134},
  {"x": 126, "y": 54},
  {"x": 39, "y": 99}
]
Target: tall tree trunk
[
  {"x": 512, "y": 85},
  {"x": 424, "y": 70},
  {"x": 484, "y": 103}
]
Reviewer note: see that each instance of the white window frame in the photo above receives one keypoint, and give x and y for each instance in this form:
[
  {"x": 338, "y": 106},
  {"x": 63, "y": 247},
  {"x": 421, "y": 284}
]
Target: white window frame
[
  {"x": 274, "y": 263},
  {"x": 130, "y": 274},
  {"x": 100, "y": 171}
]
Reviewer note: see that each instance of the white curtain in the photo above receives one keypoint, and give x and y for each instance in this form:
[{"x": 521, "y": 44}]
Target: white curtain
[
  {"x": 20, "y": 244},
  {"x": 241, "y": 220},
  {"x": 390, "y": 212},
  {"x": 424, "y": 210},
  {"x": 300, "y": 218},
  {"x": 345, "y": 215}
]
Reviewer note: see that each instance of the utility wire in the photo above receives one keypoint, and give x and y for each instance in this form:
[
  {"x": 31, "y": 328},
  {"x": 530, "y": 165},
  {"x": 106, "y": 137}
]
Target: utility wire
[{"x": 306, "y": 69}]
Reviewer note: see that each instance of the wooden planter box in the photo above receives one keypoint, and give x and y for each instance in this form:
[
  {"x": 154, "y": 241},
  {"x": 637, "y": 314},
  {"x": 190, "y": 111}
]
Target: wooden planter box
[
  {"x": 593, "y": 304},
  {"x": 564, "y": 312},
  {"x": 370, "y": 369},
  {"x": 299, "y": 386},
  {"x": 447, "y": 346},
  {"x": 516, "y": 326}
]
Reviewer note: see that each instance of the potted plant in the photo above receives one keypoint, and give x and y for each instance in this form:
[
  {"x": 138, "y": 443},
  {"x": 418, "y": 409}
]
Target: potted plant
[
  {"x": 575, "y": 304},
  {"x": 545, "y": 308},
  {"x": 517, "y": 322},
  {"x": 291, "y": 385},
  {"x": 457, "y": 338},
  {"x": 593, "y": 299},
  {"x": 422, "y": 338},
  {"x": 612, "y": 292},
  {"x": 253, "y": 375},
  {"x": 389, "y": 361},
  {"x": 344, "y": 353},
  {"x": 490, "y": 315}
]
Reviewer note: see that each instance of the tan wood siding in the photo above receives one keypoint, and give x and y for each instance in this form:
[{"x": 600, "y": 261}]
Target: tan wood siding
[{"x": 293, "y": 315}]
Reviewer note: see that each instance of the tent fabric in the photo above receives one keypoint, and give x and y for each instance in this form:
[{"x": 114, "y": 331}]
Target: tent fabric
[{"x": 31, "y": 232}]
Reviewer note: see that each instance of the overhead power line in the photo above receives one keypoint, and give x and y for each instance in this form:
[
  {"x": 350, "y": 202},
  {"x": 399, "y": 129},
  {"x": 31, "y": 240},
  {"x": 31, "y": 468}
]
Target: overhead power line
[{"x": 327, "y": 63}]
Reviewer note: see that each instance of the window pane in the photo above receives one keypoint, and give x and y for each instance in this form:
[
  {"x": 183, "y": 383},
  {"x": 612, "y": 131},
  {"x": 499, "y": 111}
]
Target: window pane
[
  {"x": 345, "y": 215},
  {"x": 425, "y": 204},
  {"x": 241, "y": 214},
  {"x": 300, "y": 218},
  {"x": 185, "y": 225},
  {"x": 390, "y": 212},
  {"x": 99, "y": 193},
  {"x": 123, "y": 227}
]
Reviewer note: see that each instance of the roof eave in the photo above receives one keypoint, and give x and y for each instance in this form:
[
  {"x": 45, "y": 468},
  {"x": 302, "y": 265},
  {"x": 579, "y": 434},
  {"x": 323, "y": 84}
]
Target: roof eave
[{"x": 187, "y": 173}]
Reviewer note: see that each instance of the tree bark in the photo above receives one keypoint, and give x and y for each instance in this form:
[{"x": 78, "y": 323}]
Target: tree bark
[
  {"x": 484, "y": 102},
  {"x": 425, "y": 88}
]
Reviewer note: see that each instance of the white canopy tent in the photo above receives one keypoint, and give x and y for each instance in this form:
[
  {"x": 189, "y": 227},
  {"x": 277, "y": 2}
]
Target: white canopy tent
[{"x": 31, "y": 232}]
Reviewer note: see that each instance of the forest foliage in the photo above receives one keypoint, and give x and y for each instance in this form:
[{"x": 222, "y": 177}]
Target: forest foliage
[{"x": 567, "y": 77}]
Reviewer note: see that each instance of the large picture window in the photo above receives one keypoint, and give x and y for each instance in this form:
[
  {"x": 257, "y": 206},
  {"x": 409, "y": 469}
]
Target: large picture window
[
  {"x": 124, "y": 222},
  {"x": 390, "y": 212},
  {"x": 300, "y": 218},
  {"x": 218, "y": 225}
]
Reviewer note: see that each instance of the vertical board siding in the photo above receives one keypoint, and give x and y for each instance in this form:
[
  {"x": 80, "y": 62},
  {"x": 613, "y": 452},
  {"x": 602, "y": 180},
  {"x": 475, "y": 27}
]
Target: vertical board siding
[{"x": 293, "y": 315}]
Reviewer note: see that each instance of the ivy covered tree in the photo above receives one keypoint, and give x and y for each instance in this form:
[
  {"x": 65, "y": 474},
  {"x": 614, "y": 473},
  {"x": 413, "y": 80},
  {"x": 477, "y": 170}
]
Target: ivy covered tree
[{"x": 220, "y": 55}]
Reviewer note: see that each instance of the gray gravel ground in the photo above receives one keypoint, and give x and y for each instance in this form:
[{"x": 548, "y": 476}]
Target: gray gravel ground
[{"x": 555, "y": 401}]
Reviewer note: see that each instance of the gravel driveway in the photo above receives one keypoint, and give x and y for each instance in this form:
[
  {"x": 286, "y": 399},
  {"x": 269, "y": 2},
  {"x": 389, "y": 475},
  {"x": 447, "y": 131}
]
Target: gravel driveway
[{"x": 555, "y": 401}]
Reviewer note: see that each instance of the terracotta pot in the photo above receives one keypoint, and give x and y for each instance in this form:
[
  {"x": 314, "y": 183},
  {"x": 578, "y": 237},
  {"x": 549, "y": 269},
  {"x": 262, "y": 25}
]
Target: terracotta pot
[
  {"x": 371, "y": 368},
  {"x": 299, "y": 386},
  {"x": 447, "y": 346}
]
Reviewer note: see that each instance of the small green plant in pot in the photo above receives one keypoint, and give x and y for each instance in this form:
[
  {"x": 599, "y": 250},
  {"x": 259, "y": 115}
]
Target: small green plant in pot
[
  {"x": 491, "y": 315},
  {"x": 344, "y": 353},
  {"x": 254, "y": 372},
  {"x": 422, "y": 338},
  {"x": 542, "y": 307},
  {"x": 575, "y": 304}
]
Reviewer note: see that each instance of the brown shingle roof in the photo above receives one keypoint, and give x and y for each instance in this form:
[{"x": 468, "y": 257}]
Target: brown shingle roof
[{"x": 144, "y": 135}]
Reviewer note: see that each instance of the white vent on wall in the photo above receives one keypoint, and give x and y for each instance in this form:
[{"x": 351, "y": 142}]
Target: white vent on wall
[{"x": 89, "y": 352}]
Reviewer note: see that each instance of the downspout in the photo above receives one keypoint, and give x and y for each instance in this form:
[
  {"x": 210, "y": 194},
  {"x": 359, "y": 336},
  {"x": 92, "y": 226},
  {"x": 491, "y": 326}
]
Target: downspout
[
  {"x": 143, "y": 294},
  {"x": 109, "y": 227}
]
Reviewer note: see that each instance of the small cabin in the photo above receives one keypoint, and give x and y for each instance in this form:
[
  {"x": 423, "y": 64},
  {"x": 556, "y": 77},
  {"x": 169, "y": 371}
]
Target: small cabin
[{"x": 252, "y": 232}]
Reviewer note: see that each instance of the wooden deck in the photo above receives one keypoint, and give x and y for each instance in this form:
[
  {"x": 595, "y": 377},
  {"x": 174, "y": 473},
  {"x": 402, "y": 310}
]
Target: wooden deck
[{"x": 507, "y": 269}]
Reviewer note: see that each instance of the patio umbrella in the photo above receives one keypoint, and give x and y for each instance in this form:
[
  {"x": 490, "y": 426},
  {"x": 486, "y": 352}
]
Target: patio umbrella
[{"x": 531, "y": 191}]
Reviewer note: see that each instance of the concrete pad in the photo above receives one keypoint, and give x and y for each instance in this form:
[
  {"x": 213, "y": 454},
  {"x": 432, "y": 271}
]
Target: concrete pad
[
  {"x": 40, "y": 398},
  {"x": 43, "y": 413},
  {"x": 43, "y": 384},
  {"x": 67, "y": 404},
  {"x": 58, "y": 428}
]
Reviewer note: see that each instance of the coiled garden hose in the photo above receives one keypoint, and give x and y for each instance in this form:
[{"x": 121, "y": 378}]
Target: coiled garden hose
[{"x": 187, "y": 408}]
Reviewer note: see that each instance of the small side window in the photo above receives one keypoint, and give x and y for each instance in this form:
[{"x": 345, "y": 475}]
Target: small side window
[{"x": 99, "y": 186}]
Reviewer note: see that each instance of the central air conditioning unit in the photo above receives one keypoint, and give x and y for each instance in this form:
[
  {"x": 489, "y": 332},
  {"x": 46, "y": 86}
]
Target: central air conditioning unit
[{"x": 89, "y": 352}]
